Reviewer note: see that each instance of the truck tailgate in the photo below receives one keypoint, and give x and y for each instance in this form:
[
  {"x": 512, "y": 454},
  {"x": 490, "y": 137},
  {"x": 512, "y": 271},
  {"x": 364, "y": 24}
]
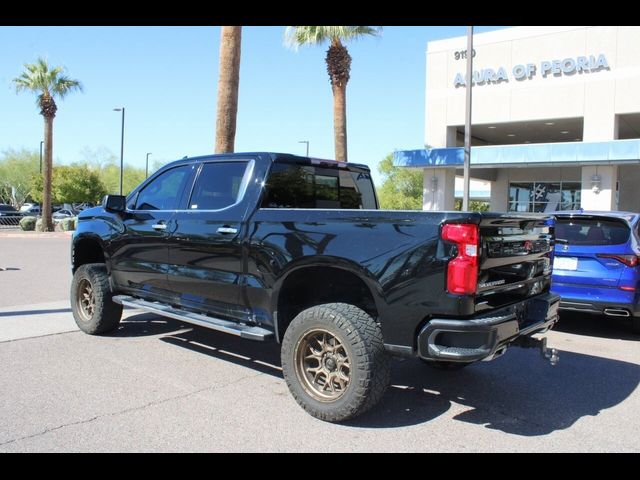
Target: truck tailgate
[{"x": 515, "y": 259}]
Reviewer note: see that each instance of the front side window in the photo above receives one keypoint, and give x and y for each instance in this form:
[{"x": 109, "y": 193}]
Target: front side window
[
  {"x": 219, "y": 185},
  {"x": 164, "y": 191}
]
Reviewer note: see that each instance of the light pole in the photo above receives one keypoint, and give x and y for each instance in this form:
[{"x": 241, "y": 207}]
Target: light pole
[
  {"x": 467, "y": 123},
  {"x": 121, "y": 146},
  {"x": 41, "y": 143},
  {"x": 146, "y": 170},
  {"x": 307, "y": 142}
]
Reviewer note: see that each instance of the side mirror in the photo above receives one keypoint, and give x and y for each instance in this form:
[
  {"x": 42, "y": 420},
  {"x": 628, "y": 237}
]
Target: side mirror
[{"x": 114, "y": 203}]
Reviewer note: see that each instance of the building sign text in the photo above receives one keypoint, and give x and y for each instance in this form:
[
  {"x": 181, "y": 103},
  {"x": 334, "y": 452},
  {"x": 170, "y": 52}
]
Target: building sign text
[{"x": 567, "y": 66}]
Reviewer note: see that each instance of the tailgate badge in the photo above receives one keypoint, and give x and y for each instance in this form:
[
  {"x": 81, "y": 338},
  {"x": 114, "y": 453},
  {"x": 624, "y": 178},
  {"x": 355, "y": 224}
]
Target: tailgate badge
[{"x": 495, "y": 283}]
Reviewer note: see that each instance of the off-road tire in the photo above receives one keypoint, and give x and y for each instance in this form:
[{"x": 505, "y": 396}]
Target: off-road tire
[
  {"x": 93, "y": 309},
  {"x": 360, "y": 346}
]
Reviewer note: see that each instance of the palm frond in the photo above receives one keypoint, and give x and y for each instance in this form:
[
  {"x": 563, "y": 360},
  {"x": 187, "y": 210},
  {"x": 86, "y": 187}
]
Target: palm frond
[
  {"x": 64, "y": 85},
  {"x": 38, "y": 77},
  {"x": 296, "y": 36}
]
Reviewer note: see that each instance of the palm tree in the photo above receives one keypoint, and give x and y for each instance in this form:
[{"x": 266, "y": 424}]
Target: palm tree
[
  {"x": 228, "y": 82},
  {"x": 47, "y": 83},
  {"x": 338, "y": 66}
]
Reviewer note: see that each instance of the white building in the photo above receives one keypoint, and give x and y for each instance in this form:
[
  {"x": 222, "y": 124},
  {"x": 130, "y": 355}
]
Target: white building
[{"x": 555, "y": 119}]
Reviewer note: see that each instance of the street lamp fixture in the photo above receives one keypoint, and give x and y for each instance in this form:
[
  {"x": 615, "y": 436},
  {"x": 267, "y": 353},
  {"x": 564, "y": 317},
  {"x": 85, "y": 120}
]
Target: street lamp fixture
[
  {"x": 307, "y": 142},
  {"x": 146, "y": 170},
  {"x": 121, "y": 146}
]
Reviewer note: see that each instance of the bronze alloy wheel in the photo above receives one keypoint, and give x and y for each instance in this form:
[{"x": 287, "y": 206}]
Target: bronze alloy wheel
[
  {"x": 86, "y": 299},
  {"x": 322, "y": 365}
]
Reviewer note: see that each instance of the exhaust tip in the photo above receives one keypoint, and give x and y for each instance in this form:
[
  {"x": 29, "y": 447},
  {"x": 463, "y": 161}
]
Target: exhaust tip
[{"x": 616, "y": 312}]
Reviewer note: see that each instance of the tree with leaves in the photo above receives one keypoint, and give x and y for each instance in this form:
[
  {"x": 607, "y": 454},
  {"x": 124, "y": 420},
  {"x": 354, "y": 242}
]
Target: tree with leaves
[
  {"x": 338, "y": 67},
  {"x": 401, "y": 188},
  {"x": 73, "y": 184},
  {"x": 228, "y": 84},
  {"x": 48, "y": 83},
  {"x": 16, "y": 169}
]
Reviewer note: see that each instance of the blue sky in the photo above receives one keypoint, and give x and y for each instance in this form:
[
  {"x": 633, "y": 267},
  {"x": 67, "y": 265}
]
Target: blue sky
[{"x": 166, "y": 78}]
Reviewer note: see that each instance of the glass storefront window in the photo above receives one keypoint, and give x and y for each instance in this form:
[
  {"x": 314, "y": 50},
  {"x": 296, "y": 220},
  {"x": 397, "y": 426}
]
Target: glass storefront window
[{"x": 544, "y": 196}]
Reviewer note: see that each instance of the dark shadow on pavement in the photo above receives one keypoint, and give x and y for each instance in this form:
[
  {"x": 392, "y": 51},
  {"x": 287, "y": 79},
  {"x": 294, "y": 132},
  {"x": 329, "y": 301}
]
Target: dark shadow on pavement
[
  {"x": 618, "y": 328},
  {"x": 34, "y": 312},
  {"x": 262, "y": 357},
  {"x": 519, "y": 393},
  {"x": 147, "y": 324}
]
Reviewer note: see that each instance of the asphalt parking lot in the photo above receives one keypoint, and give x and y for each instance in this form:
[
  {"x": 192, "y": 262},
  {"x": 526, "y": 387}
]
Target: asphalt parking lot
[{"x": 160, "y": 385}]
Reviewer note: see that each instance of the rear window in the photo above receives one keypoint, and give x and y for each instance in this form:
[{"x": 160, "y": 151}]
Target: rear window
[
  {"x": 592, "y": 231},
  {"x": 307, "y": 186},
  {"x": 219, "y": 185}
]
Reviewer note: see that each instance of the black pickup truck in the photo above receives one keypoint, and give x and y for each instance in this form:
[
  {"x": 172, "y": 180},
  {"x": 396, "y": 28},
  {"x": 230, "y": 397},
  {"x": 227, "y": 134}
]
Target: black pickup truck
[{"x": 294, "y": 250}]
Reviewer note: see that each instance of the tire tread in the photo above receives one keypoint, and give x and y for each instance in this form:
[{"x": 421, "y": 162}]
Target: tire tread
[
  {"x": 107, "y": 315},
  {"x": 365, "y": 338}
]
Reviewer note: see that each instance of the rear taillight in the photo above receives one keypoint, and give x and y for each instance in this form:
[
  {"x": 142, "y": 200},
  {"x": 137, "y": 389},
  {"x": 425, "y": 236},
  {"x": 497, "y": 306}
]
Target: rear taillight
[
  {"x": 628, "y": 260},
  {"x": 462, "y": 271}
]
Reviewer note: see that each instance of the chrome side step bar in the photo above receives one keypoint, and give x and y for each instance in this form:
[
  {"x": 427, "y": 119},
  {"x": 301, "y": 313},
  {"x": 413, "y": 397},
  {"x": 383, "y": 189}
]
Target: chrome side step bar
[{"x": 238, "y": 329}]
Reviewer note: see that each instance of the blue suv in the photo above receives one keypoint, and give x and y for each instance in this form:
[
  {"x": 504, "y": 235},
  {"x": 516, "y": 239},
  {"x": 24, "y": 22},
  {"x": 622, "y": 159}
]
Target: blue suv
[{"x": 596, "y": 263}]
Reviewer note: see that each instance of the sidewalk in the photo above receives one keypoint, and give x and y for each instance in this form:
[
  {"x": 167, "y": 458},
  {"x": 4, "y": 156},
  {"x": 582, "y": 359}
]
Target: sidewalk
[
  {"x": 40, "y": 319},
  {"x": 35, "y": 320},
  {"x": 32, "y": 234}
]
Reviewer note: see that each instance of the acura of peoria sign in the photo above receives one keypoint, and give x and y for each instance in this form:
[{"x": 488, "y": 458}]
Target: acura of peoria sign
[{"x": 567, "y": 66}]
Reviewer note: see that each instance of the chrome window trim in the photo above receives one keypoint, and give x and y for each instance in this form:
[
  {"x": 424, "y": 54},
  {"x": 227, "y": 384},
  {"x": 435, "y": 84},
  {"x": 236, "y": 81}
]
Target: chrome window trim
[{"x": 244, "y": 184}]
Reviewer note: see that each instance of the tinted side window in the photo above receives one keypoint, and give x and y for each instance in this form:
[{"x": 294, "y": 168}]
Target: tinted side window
[
  {"x": 288, "y": 186},
  {"x": 298, "y": 186},
  {"x": 585, "y": 231},
  {"x": 219, "y": 185},
  {"x": 163, "y": 193},
  {"x": 356, "y": 190}
]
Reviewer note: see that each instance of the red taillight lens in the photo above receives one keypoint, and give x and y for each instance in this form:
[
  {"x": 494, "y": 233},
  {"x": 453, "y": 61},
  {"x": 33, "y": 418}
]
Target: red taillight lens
[
  {"x": 628, "y": 260},
  {"x": 462, "y": 271}
]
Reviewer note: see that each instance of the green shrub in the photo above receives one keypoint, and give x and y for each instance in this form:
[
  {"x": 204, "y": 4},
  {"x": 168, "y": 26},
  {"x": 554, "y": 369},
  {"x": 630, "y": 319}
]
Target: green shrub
[
  {"x": 67, "y": 224},
  {"x": 39, "y": 225},
  {"x": 28, "y": 224}
]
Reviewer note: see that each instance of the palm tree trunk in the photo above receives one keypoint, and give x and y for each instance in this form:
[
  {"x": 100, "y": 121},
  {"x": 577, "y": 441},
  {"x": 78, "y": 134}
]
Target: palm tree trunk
[
  {"x": 47, "y": 221},
  {"x": 228, "y": 83},
  {"x": 340, "y": 121}
]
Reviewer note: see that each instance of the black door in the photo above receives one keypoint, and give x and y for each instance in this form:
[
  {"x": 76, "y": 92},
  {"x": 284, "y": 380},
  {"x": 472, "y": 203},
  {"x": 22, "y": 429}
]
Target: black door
[
  {"x": 141, "y": 257},
  {"x": 205, "y": 254}
]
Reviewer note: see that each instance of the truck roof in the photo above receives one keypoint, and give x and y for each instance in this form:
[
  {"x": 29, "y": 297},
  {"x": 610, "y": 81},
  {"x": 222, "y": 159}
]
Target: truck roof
[{"x": 275, "y": 157}]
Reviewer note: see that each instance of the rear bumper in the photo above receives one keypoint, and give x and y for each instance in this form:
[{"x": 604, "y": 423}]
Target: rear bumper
[
  {"x": 613, "y": 309},
  {"x": 482, "y": 337},
  {"x": 590, "y": 299}
]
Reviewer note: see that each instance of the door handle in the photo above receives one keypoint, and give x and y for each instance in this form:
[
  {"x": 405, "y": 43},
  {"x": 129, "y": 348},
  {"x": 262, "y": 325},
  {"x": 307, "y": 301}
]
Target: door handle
[
  {"x": 227, "y": 230},
  {"x": 159, "y": 226}
]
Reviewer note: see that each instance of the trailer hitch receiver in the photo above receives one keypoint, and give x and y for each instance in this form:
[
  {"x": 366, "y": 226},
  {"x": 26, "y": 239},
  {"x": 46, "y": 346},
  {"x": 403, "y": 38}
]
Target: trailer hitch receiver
[{"x": 550, "y": 354}]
